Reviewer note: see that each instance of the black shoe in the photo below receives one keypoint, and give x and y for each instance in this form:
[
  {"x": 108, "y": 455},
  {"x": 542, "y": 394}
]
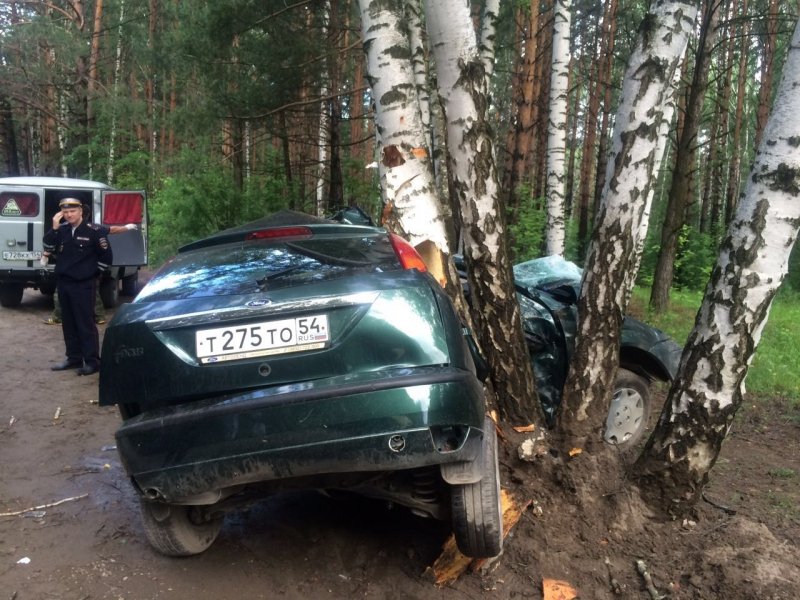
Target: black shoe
[
  {"x": 88, "y": 369},
  {"x": 67, "y": 364}
]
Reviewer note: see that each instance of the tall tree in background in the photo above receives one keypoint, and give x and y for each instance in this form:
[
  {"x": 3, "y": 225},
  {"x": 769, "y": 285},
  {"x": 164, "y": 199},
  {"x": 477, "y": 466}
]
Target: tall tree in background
[
  {"x": 636, "y": 153},
  {"x": 684, "y": 174},
  {"x": 751, "y": 265},
  {"x": 555, "y": 229}
]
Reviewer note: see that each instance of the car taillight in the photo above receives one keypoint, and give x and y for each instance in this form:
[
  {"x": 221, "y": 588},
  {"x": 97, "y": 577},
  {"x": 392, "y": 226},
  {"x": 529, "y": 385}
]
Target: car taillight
[
  {"x": 280, "y": 232},
  {"x": 409, "y": 257}
]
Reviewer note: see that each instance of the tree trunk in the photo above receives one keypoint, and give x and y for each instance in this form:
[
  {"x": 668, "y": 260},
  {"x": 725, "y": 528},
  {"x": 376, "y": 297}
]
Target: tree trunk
[
  {"x": 555, "y": 229},
  {"x": 714, "y": 191},
  {"x": 588, "y": 160},
  {"x": 767, "y": 68},
  {"x": 605, "y": 81},
  {"x": 734, "y": 170},
  {"x": 752, "y": 263},
  {"x": 496, "y": 314},
  {"x": 523, "y": 139},
  {"x": 635, "y": 157},
  {"x": 407, "y": 185},
  {"x": 488, "y": 29},
  {"x": 9, "y": 137},
  {"x": 112, "y": 136},
  {"x": 681, "y": 190}
]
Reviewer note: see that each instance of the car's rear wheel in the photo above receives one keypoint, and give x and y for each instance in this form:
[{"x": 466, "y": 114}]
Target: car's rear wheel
[
  {"x": 630, "y": 409},
  {"x": 476, "y": 511},
  {"x": 11, "y": 294},
  {"x": 176, "y": 530}
]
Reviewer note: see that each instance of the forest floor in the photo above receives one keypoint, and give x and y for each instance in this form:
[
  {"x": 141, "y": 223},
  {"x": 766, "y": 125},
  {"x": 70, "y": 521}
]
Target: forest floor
[{"x": 56, "y": 444}]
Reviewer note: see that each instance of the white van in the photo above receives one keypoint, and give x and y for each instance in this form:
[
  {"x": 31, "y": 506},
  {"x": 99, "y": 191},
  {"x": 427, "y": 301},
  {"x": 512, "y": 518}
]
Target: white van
[{"x": 27, "y": 206}]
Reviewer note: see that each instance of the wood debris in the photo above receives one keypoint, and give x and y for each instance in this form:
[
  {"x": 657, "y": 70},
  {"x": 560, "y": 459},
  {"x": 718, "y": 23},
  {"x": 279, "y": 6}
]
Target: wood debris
[
  {"x": 451, "y": 564},
  {"x": 554, "y": 589},
  {"x": 16, "y": 513}
]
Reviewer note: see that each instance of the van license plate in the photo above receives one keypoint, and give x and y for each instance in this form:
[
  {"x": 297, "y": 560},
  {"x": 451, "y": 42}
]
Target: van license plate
[
  {"x": 22, "y": 255},
  {"x": 262, "y": 339}
]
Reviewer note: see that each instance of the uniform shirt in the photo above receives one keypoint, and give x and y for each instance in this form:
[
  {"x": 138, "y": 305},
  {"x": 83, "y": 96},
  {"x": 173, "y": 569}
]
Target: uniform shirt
[{"x": 82, "y": 255}]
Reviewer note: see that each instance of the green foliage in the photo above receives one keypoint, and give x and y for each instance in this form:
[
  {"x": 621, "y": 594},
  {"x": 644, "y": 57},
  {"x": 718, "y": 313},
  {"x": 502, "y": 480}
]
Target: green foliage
[
  {"x": 526, "y": 226},
  {"x": 694, "y": 260},
  {"x": 775, "y": 370},
  {"x": 203, "y": 201}
]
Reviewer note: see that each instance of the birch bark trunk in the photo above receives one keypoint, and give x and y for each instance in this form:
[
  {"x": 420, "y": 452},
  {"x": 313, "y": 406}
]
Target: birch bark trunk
[
  {"x": 405, "y": 168},
  {"x": 635, "y": 156},
  {"x": 462, "y": 94},
  {"x": 555, "y": 229},
  {"x": 752, "y": 263}
]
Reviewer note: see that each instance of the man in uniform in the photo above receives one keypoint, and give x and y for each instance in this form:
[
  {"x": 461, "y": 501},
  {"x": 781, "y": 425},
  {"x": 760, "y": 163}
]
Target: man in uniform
[{"x": 83, "y": 253}]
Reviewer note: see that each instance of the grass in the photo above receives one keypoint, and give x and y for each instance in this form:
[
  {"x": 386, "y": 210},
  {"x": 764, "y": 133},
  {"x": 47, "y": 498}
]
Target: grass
[{"x": 775, "y": 370}]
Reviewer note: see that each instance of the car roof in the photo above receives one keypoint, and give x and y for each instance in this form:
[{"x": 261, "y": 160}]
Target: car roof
[{"x": 54, "y": 182}]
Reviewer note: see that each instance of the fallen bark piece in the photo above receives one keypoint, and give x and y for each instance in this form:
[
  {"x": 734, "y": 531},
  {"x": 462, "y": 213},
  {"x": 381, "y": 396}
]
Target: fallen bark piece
[
  {"x": 451, "y": 563},
  {"x": 648, "y": 581},
  {"x": 16, "y": 513},
  {"x": 555, "y": 589},
  {"x": 525, "y": 428}
]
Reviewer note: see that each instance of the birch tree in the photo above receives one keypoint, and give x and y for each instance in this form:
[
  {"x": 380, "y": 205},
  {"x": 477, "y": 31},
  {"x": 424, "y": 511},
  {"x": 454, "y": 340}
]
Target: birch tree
[
  {"x": 555, "y": 229},
  {"x": 634, "y": 159},
  {"x": 405, "y": 167},
  {"x": 752, "y": 263},
  {"x": 681, "y": 194},
  {"x": 473, "y": 175}
]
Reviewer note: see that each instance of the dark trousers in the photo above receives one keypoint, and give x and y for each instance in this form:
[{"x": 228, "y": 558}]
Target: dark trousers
[{"x": 77, "y": 321}]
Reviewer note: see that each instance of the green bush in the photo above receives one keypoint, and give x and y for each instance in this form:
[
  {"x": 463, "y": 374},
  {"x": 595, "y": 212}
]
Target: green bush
[
  {"x": 187, "y": 207},
  {"x": 526, "y": 226},
  {"x": 694, "y": 260}
]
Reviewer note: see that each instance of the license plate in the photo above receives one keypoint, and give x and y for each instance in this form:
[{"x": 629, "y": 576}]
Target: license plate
[
  {"x": 22, "y": 255},
  {"x": 262, "y": 339}
]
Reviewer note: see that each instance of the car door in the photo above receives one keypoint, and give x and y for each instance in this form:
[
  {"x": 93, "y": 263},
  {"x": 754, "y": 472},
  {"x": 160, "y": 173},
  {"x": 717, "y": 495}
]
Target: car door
[{"x": 123, "y": 208}]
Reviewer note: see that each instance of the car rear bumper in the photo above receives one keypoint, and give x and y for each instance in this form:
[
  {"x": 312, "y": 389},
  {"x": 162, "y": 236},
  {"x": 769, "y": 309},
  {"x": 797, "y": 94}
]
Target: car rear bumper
[{"x": 190, "y": 450}]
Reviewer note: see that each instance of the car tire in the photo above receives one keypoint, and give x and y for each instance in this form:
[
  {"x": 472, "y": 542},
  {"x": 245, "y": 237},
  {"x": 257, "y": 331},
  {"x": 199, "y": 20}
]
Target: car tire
[
  {"x": 476, "y": 512},
  {"x": 11, "y": 294},
  {"x": 629, "y": 412},
  {"x": 177, "y": 530},
  {"x": 109, "y": 292}
]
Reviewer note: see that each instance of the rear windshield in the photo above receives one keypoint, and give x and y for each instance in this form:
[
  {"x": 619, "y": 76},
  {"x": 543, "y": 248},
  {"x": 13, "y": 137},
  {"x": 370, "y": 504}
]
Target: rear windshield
[{"x": 264, "y": 265}]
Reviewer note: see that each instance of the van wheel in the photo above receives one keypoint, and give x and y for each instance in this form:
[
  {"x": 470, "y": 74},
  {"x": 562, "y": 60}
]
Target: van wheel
[
  {"x": 109, "y": 292},
  {"x": 130, "y": 284},
  {"x": 178, "y": 530},
  {"x": 11, "y": 294},
  {"x": 476, "y": 510}
]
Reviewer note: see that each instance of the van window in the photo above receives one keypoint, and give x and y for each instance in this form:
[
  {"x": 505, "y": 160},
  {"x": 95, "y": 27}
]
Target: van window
[{"x": 19, "y": 204}]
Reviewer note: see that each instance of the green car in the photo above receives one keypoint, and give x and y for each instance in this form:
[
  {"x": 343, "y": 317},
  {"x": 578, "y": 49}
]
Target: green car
[{"x": 298, "y": 353}]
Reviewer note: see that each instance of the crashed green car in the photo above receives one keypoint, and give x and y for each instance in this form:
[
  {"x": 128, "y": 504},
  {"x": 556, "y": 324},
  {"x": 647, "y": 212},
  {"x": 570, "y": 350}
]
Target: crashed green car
[{"x": 298, "y": 353}]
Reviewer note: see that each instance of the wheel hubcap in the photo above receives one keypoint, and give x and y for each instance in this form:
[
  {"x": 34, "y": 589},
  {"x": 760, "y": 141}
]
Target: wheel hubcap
[{"x": 624, "y": 416}]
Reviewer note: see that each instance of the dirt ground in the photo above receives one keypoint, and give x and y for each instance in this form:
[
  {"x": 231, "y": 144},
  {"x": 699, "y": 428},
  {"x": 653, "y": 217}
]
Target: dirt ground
[{"x": 56, "y": 444}]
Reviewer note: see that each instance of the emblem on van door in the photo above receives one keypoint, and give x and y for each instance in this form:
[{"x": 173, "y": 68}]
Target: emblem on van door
[{"x": 11, "y": 209}]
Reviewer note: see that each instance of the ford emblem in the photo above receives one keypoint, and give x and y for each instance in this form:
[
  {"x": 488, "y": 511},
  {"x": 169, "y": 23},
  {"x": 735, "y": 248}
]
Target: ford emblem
[{"x": 257, "y": 303}]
